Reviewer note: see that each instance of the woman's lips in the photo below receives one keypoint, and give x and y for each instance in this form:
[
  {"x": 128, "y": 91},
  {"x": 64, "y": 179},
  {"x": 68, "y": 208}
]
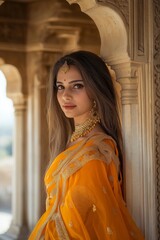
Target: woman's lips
[{"x": 69, "y": 107}]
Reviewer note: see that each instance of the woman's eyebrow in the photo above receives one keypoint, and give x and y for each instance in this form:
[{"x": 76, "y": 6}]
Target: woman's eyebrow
[{"x": 73, "y": 81}]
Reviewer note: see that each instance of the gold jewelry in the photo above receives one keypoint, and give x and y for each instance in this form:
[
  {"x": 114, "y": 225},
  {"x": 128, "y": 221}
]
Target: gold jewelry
[
  {"x": 83, "y": 129},
  {"x": 94, "y": 106},
  {"x": 65, "y": 67}
]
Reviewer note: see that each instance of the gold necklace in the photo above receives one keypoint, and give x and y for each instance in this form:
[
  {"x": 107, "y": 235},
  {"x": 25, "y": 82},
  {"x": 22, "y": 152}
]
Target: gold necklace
[{"x": 83, "y": 129}]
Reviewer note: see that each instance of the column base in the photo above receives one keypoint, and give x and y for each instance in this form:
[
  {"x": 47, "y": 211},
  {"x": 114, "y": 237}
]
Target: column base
[{"x": 15, "y": 233}]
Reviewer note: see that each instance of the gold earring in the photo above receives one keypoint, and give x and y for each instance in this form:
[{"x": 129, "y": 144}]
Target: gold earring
[
  {"x": 93, "y": 112},
  {"x": 94, "y": 104}
]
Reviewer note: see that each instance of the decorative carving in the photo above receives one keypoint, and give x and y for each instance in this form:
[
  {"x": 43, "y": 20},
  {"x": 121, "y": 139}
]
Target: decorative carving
[
  {"x": 127, "y": 75},
  {"x": 51, "y": 32},
  {"x": 13, "y": 10},
  {"x": 44, "y": 63},
  {"x": 129, "y": 91},
  {"x": 122, "y": 5},
  {"x": 156, "y": 7},
  {"x": 19, "y": 101},
  {"x": 157, "y": 52},
  {"x": 12, "y": 32},
  {"x": 140, "y": 27},
  {"x": 157, "y": 13}
]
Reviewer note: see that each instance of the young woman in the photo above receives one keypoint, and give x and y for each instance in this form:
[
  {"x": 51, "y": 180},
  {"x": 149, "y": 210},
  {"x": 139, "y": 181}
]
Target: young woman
[{"x": 83, "y": 182}]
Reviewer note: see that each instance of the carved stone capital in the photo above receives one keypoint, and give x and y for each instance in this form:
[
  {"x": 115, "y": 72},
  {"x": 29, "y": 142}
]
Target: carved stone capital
[
  {"x": 125, "y": 70},
  {"x": 129, "y": 92},
  {"x": 126, "y": 75},
  {"x": 19, "y": 101}
]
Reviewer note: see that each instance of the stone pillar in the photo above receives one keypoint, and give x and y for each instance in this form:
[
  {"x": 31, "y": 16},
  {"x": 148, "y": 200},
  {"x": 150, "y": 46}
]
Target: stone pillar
[
  {"x": 38, "y": 147},
  {"x": 137, "y": 122},
  {"x": 127, "y": 76},
  {"x": 18, "y": 228}
]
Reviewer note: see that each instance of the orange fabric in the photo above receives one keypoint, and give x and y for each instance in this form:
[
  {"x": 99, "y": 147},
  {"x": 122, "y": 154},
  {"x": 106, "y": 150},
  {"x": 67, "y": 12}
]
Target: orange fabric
[{"x": 84, "y": 196}]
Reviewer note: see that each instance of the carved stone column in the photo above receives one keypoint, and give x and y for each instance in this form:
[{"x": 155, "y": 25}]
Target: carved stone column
[
  {"x": 18, "y": 229},
  {"x": 127, "y": 76},
  {"x": 136, "y": 98}
]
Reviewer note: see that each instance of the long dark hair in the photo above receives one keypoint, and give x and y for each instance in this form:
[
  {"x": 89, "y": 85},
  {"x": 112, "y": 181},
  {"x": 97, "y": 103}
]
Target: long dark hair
[{"x": 99, "y": 86}]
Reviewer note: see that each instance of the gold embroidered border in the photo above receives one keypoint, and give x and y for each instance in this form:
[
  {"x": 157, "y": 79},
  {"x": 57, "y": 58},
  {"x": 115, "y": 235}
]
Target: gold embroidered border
[{"x": 60, "y": 227}]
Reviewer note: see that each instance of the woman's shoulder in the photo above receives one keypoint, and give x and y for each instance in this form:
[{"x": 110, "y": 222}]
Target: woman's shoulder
[
  {"x": 102, "y": 139},
  {"x": 103, "y": 147}
]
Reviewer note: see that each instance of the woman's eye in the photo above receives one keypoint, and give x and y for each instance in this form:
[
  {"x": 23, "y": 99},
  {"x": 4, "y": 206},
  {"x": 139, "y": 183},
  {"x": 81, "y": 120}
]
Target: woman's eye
[
  {"x": 60, "y": 87},
  {"x": 78, "y": 86}
]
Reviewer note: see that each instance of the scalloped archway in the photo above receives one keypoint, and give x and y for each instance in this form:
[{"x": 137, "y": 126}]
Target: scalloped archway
[
  {"x": 14, "y": 80},
  {"x": 112, "y": 30}
]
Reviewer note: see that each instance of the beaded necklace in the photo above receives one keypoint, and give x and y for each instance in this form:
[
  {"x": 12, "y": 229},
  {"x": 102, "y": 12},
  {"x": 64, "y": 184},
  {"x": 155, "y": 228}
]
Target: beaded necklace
[{"x": 83, "y": 129}]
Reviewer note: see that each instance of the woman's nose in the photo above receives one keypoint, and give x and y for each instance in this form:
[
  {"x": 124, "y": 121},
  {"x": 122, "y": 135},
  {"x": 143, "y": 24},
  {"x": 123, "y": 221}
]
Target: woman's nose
[{"x": 67, "y": 94}]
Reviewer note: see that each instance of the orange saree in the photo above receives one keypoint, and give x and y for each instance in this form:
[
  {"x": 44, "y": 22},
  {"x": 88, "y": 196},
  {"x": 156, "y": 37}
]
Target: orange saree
[{"x": 84, "y": 200}]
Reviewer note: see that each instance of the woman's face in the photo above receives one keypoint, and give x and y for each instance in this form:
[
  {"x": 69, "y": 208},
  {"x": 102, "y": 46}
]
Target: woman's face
[{"x": 72, "y": 96}]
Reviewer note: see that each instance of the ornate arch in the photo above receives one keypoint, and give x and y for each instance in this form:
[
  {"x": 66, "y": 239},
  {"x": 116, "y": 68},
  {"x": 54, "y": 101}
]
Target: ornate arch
[
  {"x": 111, "y": 26},
  {"x": 13, "y": 77}
]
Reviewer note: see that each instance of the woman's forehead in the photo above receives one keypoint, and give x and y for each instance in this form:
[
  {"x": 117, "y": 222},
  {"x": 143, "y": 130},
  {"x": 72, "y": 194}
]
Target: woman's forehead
[{"x": 72, "y": 73}]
